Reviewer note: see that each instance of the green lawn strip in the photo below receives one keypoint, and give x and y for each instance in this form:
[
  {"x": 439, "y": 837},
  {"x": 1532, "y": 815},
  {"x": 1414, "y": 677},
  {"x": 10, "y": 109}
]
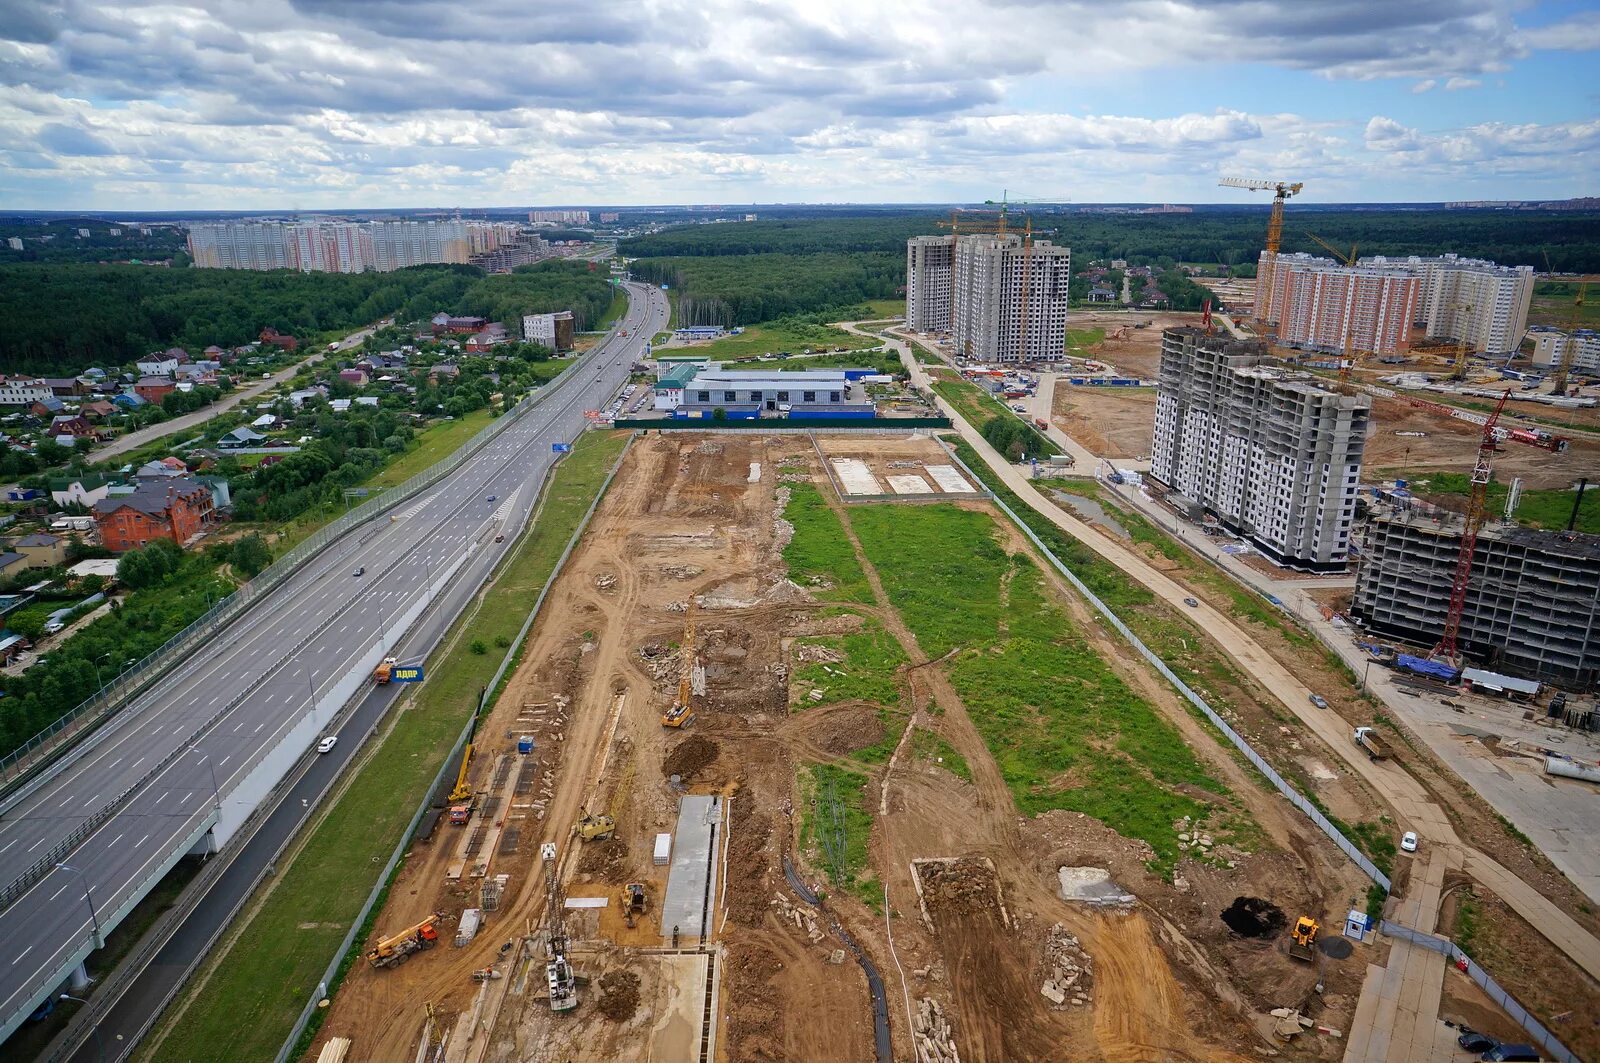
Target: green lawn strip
[
  {"x": 869, "y": 671},
  {"x": 932, "y": 747},
  {"x": 784, "y": 334},
  {"x": 1064, "y": 729},
  {"x": 819, "y": 556},
  {"x": 1537, "y": 508},
  {"x": 614, "y": 312},
  {"x": 882, "y": 309},
  {"x": 254, "y": 995},
  {"x": 980, "y": 408},
  {"x": 886, "y": 362},
  {"x": 1080, "y": 338},
  {"x": 835, "y": 828}
]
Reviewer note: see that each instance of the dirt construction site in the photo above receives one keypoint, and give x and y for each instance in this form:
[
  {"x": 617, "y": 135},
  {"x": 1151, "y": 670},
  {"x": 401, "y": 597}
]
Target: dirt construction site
[{"x": 831, "y": 860}]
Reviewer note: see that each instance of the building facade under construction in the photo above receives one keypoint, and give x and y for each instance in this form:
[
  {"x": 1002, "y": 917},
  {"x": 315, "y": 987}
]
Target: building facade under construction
[
  {"x": 1001, "y": 298},
  {"x": 1532, "y": 608},
  {"x": 1275, "y": 456}
]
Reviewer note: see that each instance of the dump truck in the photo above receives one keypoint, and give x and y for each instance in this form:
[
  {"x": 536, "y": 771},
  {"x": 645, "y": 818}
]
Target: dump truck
[
  {"x": 1303, "y": 939},
  {"x": 1367, "y": 739},
  {"x": 385, "y": 671},
  {"x": 594, "y": 828},
  {"x": 461, "y": 814},
  {"x": 395, "y": 950}
]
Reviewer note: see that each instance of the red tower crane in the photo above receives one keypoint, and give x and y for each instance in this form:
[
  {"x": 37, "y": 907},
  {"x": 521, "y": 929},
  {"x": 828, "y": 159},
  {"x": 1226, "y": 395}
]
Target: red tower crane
[{"x": 1469, "y": 537}]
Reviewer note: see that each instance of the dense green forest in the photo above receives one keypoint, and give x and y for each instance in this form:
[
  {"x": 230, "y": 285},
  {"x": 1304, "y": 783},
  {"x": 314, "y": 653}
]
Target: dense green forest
[
  {"x": 1571, "y": 239},
  {"x": 60, "y": 320},
  {"x": 58, "y": 240},
  {"x": 744, "y": 289}
]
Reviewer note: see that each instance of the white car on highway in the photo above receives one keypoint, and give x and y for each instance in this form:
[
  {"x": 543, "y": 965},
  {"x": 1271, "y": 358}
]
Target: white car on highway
[{"x": 327, "y": 744}]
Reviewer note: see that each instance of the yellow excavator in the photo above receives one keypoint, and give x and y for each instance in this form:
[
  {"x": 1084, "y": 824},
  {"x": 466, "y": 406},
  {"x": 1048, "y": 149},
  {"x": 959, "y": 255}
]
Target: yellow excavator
[
  {"x": 594, "y": 828},
  {"x": 1303, "y": 939},
  {"x": 692, "y": 679},
  {"x": 397, "y": 949}
]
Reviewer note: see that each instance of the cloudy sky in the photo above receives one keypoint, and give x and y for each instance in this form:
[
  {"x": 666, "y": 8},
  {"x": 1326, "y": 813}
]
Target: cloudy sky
[{"x": 307, "y": 104}]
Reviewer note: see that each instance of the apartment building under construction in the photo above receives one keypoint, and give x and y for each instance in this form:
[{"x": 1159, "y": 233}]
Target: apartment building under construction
[
  {"x": 1000, "y": 298},
  {"x": 1271, "y": 453},
  {"x": 1532, "y": 607}
]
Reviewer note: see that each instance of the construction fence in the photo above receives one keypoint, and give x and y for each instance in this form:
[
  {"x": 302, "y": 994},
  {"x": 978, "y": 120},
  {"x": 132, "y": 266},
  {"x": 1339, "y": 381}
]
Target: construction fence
[
  {"x": 119, "y": 692},
  {"x": 1520, "y": 1015},
  {"x": 1296, "y": 798}
]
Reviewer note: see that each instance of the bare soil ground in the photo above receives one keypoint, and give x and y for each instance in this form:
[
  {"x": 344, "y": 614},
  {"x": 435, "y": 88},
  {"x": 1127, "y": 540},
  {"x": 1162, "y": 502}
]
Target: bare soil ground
[
  {"x": 1170, "y": 980},
  {"x": 1450, "y": 443},
  {"x": 1111, "y": 422}
]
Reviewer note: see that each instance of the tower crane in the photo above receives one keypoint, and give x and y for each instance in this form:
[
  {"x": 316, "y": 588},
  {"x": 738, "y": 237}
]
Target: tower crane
[
  {"x": 1281, "y": 191},
  {"x": 1569, "y": 349},
  {"x": 1476, "y": 509},
  {"x": 1347, "y": 364}
]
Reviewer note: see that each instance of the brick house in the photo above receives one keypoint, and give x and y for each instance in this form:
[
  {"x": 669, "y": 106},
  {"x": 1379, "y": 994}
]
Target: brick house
[
  {"x": 173, "y": 509},
  {"x": 272, "y": 336},
  {"x": 154, "y": 388}
]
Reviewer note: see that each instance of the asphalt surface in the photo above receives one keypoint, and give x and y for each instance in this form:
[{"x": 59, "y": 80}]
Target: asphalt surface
[{"x": 264, "y": 672}]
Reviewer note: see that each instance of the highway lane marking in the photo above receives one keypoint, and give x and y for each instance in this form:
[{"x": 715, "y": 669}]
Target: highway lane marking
[
  {"x": 8, "y": 845},
  {"x": 224, "y": 760},
  {"x": 91, "y": 800},
  {"x": 35, "y": 845},
  {"x": 65, "y": 801},
  {"x": 141, "y": 841},
  {"x": 115, "y": 840},
  {"x": 21, "y": 954},
  {"x": 62, "y": 890}
]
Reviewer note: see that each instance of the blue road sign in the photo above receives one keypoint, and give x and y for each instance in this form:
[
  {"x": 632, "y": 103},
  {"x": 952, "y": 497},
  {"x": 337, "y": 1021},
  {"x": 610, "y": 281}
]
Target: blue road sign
[
  {"x": 561, "y": 448},
  {"x": 409, "y": 673}
]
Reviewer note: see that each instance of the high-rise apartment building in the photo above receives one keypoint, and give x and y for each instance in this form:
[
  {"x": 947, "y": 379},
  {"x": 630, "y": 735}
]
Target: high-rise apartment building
[
  {"x": 1480, "y": 304},
  {"x": 930, "y": 273},
  {"x": 340, "y": 247},
  {"x": 1000, "y": 301},
  {"x": 1274, "y": 455},
  {"x": 1533, "y": 606},
  {"x": 1325, "y": 306},
  {"x": 558, "y": 217}
]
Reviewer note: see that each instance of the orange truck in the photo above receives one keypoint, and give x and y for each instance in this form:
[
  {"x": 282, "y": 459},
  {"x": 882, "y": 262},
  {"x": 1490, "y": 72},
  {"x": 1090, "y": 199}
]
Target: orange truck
[{"x": 385, "y": 671}]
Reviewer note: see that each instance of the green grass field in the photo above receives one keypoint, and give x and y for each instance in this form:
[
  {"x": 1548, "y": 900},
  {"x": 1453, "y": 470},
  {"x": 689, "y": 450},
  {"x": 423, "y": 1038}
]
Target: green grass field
[
  {"x": 886, "y": 362},
  {"x": 1063, "y": 727},
  {"x": 819, "y": 556},
  {"x": 260, "y": 983},
  {"x": 774, "y": 336},
  {"x": 883, "y": 309},
  {"x": 1079, "y": 339},
  {"x": 835, "y": 827},
  {"x": 978, "y": 407},
  {"x": 932, "y": 747},
  {"x": 872, "y": 660}
]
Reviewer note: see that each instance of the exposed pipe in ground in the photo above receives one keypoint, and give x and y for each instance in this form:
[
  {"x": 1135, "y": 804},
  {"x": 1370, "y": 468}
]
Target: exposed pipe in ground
[{"x": 880, "y": 1002}]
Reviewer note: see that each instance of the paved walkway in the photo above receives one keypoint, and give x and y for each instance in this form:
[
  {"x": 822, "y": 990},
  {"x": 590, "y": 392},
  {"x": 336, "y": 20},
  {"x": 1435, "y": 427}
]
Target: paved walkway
[
  {"x": 1411, "y": 803},
  {"x": 1397, "y": 1018}
]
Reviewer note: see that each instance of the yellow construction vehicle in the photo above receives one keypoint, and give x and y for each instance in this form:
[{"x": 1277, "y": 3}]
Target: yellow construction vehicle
[
  {"x": 1303, "y": 939},
  {"x": 692, "y": 679},
  {"x": 633, "y": 902},
  {"x": 463, "y": 787},
  {"x": 594, "y": 828},
  {"x": 395, "y": 950}
]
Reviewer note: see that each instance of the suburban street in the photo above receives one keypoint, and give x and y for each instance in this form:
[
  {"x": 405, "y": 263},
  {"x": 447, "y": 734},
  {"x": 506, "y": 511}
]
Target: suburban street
[
  {"x": 134, "y": 440},
  {"x": 207, "y": 726}
]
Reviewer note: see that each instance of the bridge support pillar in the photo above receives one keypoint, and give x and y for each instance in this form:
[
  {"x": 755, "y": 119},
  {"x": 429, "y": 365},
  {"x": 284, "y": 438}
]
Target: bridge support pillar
[{"x": 79, "y": 979}]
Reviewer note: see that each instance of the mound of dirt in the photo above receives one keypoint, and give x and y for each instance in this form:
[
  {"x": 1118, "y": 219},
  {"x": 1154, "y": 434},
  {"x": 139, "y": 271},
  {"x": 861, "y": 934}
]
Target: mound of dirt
[
  {"x": 604, "y": 859},
  {"x": 619, "y": 995},
  {"x": 1253, "y": 917},
  {"x": 848, "y": 731},
  {"x": 964, "y": 884},
  {"x": 689, "y": 756}
]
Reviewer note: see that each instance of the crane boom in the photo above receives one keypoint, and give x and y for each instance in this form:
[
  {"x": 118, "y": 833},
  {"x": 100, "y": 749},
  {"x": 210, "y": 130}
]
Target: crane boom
[
  {"x": 1281, "y": 191},
  {"x": 1476, "y": 504}
]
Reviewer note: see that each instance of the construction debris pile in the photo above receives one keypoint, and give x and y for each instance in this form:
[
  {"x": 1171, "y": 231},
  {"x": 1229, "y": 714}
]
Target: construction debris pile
[
  {"x": 932, "y": 1034},
  {"x": 1068, "y": 970},
  {"x": 804, "y": 919}
]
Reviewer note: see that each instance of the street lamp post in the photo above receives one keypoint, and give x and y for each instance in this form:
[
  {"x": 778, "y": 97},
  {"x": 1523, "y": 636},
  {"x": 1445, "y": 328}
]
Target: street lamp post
[
  {"x": 1364, "y": 672},
  {"x": 99, "y": 1044},
  {"x": 94, "y": 917},
  {"x": 99, "y": 685}
]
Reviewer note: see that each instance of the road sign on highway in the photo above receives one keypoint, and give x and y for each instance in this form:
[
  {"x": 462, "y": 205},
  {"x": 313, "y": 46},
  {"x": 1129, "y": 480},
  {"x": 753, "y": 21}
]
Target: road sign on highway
[
  {"x": 406, "y": 673},
  {"x": 560, "y": 448}
]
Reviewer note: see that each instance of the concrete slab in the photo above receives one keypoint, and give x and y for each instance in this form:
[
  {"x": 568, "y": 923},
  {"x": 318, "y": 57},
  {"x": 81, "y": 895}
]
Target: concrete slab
[
  {"x": 856, "y": 477},
  {"x": 680, "y": 1007},
  {"x": 949, "y": 480},
  {"x": 909, "y": 484},
  {"x": 691, "y": 884}
]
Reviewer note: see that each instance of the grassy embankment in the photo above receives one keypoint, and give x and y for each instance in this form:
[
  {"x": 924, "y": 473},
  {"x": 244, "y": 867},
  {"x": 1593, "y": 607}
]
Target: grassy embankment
[
  {"x": 978, "y": 408},
  {"x": 783, "y": 335},
  {"x": 1065, "y": 730},
  {"x": 257, "y": 984}
]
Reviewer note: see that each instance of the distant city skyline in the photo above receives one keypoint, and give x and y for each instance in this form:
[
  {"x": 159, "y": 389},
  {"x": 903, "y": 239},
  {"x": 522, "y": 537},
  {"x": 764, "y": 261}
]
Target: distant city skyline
[{"x": 284, "y": 105}]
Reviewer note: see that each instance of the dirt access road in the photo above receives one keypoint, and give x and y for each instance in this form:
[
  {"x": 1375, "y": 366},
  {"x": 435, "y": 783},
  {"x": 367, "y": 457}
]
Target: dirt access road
[{"x": 1409, "y": 799}]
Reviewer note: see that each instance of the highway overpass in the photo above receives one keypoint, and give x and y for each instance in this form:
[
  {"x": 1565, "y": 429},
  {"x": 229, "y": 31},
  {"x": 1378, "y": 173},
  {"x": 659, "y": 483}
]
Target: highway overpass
[{"x": 188, "y": 761}]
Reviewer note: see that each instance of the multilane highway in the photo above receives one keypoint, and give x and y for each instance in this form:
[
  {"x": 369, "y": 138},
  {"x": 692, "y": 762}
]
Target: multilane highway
[{"x": 268, "y": 677}]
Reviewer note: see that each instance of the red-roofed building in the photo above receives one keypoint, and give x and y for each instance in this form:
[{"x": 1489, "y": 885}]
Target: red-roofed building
[
  {"x": 278, "y": 339},
  {"x": 173, "y": 509},
  {"x": 154, "y": 388}
]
